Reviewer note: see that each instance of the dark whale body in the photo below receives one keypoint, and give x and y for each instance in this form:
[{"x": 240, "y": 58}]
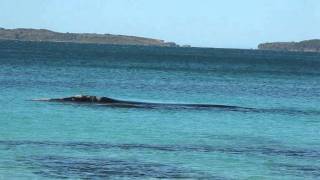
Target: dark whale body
[
  {"x": 133, "y": 104},
  {"x": 110, "y": 102}
]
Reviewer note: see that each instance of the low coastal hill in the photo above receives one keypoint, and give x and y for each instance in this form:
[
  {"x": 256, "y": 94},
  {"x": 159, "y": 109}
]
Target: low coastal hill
[
  {"x": 303, "y": 46},
  {"x": 23, "y": 34}
]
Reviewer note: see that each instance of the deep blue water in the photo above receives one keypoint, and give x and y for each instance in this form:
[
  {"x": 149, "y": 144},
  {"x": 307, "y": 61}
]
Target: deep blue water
[{"x": 278, "y": 140}]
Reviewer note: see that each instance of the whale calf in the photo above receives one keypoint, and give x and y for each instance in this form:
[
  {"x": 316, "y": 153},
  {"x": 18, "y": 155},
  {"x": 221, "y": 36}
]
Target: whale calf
[{"x": 86, "y": 99}]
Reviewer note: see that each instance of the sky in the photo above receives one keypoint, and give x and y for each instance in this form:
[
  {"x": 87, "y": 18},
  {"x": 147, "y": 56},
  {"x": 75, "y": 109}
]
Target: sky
[{"x": 201, "y": 23}]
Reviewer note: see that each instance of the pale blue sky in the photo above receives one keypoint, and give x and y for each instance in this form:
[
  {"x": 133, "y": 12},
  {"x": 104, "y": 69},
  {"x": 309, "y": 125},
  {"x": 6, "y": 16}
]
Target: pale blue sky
[{"x": 207, "y": 23}]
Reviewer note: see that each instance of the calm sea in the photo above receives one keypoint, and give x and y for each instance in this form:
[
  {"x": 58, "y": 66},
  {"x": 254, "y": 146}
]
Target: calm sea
[{"x": 279, "y": 139}]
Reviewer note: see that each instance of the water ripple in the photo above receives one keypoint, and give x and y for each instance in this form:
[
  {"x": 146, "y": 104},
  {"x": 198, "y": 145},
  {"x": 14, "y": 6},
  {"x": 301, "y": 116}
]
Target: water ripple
[{"x": 271, "y": 150}]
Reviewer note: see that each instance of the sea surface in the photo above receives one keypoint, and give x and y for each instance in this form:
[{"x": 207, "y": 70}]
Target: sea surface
[{"x": 277, "y": 138}]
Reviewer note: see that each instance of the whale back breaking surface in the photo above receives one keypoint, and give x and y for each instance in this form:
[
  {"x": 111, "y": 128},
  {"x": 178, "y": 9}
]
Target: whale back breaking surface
[
  {"x": 110, "y": 102},
  {"x": 86, "y": 99}
]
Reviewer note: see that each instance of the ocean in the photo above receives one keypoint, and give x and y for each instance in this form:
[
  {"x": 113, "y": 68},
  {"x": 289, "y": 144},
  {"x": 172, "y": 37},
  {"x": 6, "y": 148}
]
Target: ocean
[{"x": 277, "y": 138}]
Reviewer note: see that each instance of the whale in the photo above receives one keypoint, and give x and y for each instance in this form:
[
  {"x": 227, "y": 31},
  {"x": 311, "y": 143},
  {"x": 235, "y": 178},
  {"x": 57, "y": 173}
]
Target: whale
[
  {"x": 106, "y": 101},
  {"x": 116, "y": 103}
]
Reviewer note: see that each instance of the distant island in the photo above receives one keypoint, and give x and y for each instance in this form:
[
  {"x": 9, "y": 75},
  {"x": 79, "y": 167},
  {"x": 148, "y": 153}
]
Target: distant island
[
  {"x": 23, "y": 34},
  {"x": 303, "y": 46}
]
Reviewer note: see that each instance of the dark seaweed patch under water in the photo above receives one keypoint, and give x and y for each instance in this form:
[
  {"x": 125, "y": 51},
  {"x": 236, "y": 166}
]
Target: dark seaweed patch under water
[
  {"x": 301, "y": 171},
  {"x": 53, "y": 166},
  {"x": 88, "y": 168}
]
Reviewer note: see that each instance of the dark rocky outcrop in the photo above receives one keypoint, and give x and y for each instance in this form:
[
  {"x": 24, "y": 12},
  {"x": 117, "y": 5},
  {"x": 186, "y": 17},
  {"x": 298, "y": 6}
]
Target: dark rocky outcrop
[
  {"x": 23, "y": 34},
  {"x": 303, "y": 46}
]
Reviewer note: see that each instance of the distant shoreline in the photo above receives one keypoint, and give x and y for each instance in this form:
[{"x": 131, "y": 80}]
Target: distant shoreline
[
  {"x": 44, "y": 35},
  {"x": 302, "y": 46}
]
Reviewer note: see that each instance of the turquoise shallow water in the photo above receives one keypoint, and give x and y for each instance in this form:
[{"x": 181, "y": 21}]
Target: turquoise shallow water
[{"x": 40, "y": 140}]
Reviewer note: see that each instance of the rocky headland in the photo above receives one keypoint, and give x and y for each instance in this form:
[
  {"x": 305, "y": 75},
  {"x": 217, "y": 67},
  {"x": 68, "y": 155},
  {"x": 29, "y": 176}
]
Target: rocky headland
[
  {"x": 302, "y": 46},
  {"x": 23, "y": 34}
]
